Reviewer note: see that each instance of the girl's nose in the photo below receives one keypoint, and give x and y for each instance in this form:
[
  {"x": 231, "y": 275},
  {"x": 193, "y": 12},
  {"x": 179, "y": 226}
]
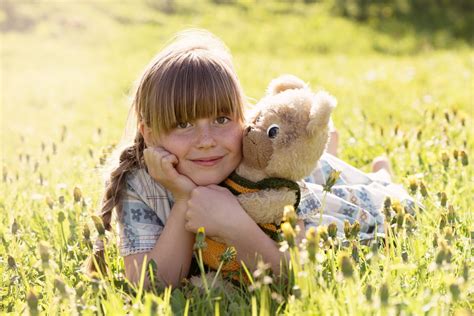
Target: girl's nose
[{"x": 206, "y": 138}]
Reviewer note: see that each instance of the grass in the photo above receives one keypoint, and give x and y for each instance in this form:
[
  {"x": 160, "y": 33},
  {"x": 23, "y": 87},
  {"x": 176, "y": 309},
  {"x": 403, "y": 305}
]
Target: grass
[{"x": 67, "y": 70}]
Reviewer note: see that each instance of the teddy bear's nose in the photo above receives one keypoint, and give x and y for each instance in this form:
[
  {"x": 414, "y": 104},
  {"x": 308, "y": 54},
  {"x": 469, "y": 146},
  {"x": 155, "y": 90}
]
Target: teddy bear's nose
[{"x": 247, "y": 130}]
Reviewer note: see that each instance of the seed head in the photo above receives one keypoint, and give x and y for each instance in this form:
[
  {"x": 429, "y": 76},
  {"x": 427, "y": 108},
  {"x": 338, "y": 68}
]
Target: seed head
[
  {"x": 333, "y": 177},
  {"x": 464, "y": 159},
  {"x": 405, "y": 256},
  {"x": 14, "y": 228},
  {"x": 445, "y": 160},
  {"x": 200, "y": 241},
  {"x": 228, "y": 255},
  {"x": 455, "y": 154},
  {"x": 32, "y": 301},
  {"x": 355, "y": 229},
  {"x": 323, "y": 233},
  {"x": 332, "y": 230},
  {"x": 387, "y": 205},
  {"x": 400, "y": 217},
  {"x": 368, "y": 292},
  {"x": 455, "y": 291},
  {"x": 446, "y": 116},
  {"x": 443, "y": 221},
  {"x": 423, "y": 190},
  {"x": 61, "y": 200},
  {"x": 444, "y": 253},
  {"x": 99, "y": 225},
  {"x": 410, "y": 222},
  {"x": 312, "y": 243},
  {"x": 346, "y": 266},
  {"x": 60, "y": 286},
  {"x": 413, "y": 184},
  {"x": 465, "y": 272},
  {"x": 49, "y": 202},
  {"x": 384, "y": 294},
  {"x": 86, "y": 233},
  {"x": 451, "y": 214},
  {"x": 44, "y": 253},
  {"x": 347, "y": 229},
  {"x": 355, "y": 252},
  {"x": 289, "y": 215},
  {"x": 77, "y": 193},
  {"x": 11, "y": 262},
  {"x": 418, "y": 134},
  {"x": 296, "y": 291},
  {"x": 61, "y": 216},
  {"x": 443, "y": 198},
  {"x": 288, "y": 233},
  {"x": 448, "y": 234}
]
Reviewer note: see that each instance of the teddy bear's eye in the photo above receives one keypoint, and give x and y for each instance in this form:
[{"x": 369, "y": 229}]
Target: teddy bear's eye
[{"x": 273, "y": 130}]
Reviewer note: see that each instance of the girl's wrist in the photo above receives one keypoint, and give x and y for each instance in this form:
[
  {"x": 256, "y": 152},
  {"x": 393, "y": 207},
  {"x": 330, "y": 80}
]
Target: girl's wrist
[{"x": 234, "y": 230}]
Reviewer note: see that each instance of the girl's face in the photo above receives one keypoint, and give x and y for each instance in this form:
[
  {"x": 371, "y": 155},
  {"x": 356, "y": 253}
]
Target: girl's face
[{"x": 208, "y": 149}]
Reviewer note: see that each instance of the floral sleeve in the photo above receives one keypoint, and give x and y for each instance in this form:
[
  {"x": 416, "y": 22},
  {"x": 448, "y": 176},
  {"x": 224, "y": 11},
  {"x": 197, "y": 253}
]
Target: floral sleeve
[{"x": 139, "y": 225}]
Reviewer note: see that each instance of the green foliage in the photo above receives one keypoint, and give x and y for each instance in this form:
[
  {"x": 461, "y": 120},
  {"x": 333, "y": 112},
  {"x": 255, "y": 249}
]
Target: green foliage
[{"x": 67, "y": 70}]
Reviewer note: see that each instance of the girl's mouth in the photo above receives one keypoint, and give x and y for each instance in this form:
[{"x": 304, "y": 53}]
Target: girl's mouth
[{"x": 208, "y": 161}]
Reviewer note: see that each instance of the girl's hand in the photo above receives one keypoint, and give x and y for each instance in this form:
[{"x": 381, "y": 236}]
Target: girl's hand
[
  {"x": 217, "y": 210},
  {"x": 161, "y": 167}
]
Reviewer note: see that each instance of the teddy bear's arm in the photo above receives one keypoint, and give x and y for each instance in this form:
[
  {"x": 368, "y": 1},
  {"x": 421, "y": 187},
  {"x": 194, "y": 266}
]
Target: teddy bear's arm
[{"x": 266, "y": 206}]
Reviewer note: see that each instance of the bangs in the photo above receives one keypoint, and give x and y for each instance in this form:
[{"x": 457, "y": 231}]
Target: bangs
[{"x": 192, "y": 87}]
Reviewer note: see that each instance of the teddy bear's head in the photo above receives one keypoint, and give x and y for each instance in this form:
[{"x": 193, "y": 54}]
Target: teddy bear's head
[{"x": 288, "y": 130}]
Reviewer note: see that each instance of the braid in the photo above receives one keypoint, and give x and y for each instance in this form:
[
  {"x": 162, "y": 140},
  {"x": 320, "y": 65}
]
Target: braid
[{"x": 130, "y": 158}]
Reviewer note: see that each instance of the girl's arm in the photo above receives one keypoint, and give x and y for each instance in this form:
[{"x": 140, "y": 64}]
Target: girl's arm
[
  {"x": 172, "y": 252},
  {"x": 219, "y": 212},
  {"x": 250, "y": 240}
]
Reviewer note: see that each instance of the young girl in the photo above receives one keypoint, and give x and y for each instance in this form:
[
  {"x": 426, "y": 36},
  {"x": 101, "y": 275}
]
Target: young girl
[{"x": 189, "y": 107}]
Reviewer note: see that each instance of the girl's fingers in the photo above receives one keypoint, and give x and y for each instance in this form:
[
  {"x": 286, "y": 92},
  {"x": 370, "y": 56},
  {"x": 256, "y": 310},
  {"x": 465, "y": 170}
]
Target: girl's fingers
[{"x": 168, "y": 164}]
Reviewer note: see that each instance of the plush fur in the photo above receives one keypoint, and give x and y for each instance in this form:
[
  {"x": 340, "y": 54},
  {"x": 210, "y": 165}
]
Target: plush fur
[
  {"x": 284, "y": 139},
  {"x": 301, "y": 119}
]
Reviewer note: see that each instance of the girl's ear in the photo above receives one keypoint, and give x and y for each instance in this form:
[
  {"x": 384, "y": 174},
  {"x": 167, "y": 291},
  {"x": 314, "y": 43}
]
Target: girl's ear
[{"x": 147, "y": 134}]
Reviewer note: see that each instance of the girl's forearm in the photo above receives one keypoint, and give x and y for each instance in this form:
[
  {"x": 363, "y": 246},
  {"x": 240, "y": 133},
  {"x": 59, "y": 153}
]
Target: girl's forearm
[
  {"x": 172, "y": 252},
  {"x": 252, "y": 241}
]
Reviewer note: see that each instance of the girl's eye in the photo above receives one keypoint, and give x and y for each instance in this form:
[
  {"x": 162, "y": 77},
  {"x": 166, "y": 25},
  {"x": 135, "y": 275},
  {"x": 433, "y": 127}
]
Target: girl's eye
[
  {"x": 222, "y": 120},
  {"x": 183, "y": 125},
  {"x": 273, "y": 130}
]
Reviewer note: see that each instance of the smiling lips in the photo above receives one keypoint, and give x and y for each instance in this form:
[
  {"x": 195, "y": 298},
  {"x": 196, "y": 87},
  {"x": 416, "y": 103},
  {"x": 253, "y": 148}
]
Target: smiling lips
[{"x": 208, "y": 161}]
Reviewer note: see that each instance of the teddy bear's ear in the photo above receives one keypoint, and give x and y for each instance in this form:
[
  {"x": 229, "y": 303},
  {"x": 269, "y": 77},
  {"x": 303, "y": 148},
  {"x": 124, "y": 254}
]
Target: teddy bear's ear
[
  {"x": 285, "y": 82},
  {"x": 320, "y": 114}
]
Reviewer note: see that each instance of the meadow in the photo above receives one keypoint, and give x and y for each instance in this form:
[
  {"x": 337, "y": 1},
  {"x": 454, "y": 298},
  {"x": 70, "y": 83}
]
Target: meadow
[{"x": 404, "y": 89}]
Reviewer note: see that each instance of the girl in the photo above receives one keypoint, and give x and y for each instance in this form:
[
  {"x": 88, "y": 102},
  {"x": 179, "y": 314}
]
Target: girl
[
  {"x": 189, "y": 106},
  {"x": 189, "y": 114}
]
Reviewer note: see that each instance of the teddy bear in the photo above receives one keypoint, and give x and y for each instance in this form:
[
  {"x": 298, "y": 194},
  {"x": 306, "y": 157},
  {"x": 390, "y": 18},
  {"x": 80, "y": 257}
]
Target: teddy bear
[{"x": 282, "y": 142}]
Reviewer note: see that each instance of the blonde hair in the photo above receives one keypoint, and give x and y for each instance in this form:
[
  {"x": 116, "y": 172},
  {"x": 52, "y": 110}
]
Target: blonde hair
[{"x": 193, "y": 77}]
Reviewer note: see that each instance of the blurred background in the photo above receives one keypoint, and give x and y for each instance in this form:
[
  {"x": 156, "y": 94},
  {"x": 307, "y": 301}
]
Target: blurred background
[{"x": 67, "y": 67}]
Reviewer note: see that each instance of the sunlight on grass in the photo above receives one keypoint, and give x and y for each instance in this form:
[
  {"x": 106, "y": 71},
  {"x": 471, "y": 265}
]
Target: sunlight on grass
[{"x": 67, "y": 72}]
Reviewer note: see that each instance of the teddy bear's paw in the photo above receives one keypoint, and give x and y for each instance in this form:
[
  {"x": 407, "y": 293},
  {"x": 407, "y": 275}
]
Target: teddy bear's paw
[
  {"x": 285, "y": 82},
  {"x": 266, "y": 206}
]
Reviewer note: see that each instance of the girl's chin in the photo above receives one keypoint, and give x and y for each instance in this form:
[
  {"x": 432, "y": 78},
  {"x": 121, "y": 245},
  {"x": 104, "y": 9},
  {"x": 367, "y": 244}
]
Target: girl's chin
[{"x": 207, "y": 180}]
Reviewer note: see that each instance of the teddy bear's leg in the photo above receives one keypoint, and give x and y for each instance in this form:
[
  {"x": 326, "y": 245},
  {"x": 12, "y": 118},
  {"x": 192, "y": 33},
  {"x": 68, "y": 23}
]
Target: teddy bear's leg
[{"x": 266, "y": 206}]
